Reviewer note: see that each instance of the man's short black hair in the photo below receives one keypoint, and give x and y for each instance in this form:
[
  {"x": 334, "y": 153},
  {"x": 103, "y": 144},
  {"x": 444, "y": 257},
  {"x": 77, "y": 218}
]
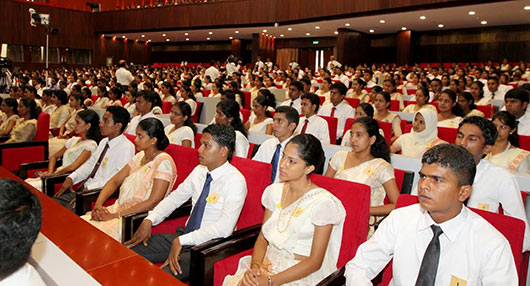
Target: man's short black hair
[
  {"x": 489, "y": 131},
  {"x": 340, "y": 87},
  {"x": 313, "y": 98},
  {"x": 291, "y": 114},
  {"x": 224, "y": 135},
  {"x": 119, "y": 115},
  {"x": 20, "y": 223},
  {"x": 298, "y": 85},
  {"x": 517, "y": 93},
  {"x": 454, "y": 157},
  {"x": 306, "y": 80}
]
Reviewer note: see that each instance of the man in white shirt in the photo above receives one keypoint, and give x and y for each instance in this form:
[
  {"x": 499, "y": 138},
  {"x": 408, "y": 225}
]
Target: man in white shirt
[
  {"x": 311, "y": 123},
  {"x": 341, "y": 77},
  {"x": 217, "y": 191},
  {"x": 231, "y": 66},
  {"x": 285, "y": 122},
  {"x": 123, "y": 76},
  {"x": 295, "y": 91},
  {"x": 338, "y": 108},
  {"x": 493, "y": 186},
  {"x": 493, "y": 90},
  {"x": 333, "y": 64},
  {"x": 212, "y": 71},
  {"x": 145, "y": 102},
  {"x": 259, "y": 66},
  {"x": 438, "y": 241},
  {"x": 20, "y": 224},
  {"x": 112, "y": 153},
  {"x": 269, "y": 64},
  {"x": 516, "y": 101},
  {"x": 367, "y": 77}
]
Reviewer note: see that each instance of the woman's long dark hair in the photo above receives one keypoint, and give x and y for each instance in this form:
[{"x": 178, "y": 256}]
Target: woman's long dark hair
[
  {"x": 230, "y": 108},
  {"x": 104, "y": 90},
  {"x": 379, "y": 149},
  {"x": 506, "y": 118},
  {"x": 185, "y": 109},
  {"x": 90, "y": 116},
  {"x": 11, "y": 102},
  {"x": 263, "y": 101},
  {"x": 457, "y": 109},
  {"x": 155, "y": 129},
  {"x": 170, "y": 87},
  {"x": 187, "y": 89},
  {"x": 34, "y": 110}
]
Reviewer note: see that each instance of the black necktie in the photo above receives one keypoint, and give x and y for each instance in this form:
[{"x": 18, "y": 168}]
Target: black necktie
[
  {"x": 194, "y": 222},
  {"x": 429, "y": 264},
  {"x": 274, "y": 162}
]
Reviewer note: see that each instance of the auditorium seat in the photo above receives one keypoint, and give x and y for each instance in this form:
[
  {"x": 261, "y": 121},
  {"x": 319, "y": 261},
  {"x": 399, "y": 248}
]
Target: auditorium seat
[
  {"x": 353, "y": 101},
  {"x": 524, "y": 142},
  {"x": 332, "y": 127},
  {"x": 447, "y": 134},
  {"x": 166, "y": 107},
  {"x": 246, "y": 114},
  {"x": 486, "y": 109}
]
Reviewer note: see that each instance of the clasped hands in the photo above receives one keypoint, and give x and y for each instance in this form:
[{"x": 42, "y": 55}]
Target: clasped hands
[
  {"x": 100, "y": 213},
  {"x": 254, "y": 276}
]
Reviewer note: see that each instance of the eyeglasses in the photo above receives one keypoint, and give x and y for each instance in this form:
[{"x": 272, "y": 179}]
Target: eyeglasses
[{"x": 176, "y": 113}]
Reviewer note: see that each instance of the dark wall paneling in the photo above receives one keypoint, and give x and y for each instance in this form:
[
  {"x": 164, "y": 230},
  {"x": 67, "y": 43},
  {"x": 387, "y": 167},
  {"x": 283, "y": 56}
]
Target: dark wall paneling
[
  {"x": 324, "y": 42},
  {"x": 189, "y": 56},
  {"x": 352, "y": 47},
  {"x": 131, "y": 51},
  {"x": 404, "y": 47}
]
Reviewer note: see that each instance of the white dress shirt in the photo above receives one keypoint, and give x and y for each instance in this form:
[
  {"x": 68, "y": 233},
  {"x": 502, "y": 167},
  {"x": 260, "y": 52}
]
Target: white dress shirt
[
  {"x": 228, "y": 191},
  {"x": 343, "y": 111},
  {"x": 266, "y": 152},
  {"x": 213, "y": 72},
  {"x": 523, "y": 128},
  {"x": 242, "y": 145},
  {"x": 24, "y": 276},
  {"x": 231, "y": 68},
  {"x": 123, "y": 76},
  {"x": 131, "y": 128},
  {"x": 472, "y": 250},
  {"x": 494, "y": 186},
  {"x": 180, "y": 134},
  {"x": 297, "y": 104},
  {"x": 335, "y": 64},
  {"x": 317, "y": 126},
  {"x": 120, "y": 151}
]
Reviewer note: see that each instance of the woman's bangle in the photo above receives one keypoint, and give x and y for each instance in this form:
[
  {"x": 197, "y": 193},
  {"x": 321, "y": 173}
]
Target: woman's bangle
[{"x": 269, "y": 281}]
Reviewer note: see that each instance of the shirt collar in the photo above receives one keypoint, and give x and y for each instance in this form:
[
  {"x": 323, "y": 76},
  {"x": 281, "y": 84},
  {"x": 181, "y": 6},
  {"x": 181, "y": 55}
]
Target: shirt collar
[
  {"x": 219, "y": 171},
  {"x": 147, "y": 115},
  {"x": 116, "y": 140},
  {"x": 451, "y": 228},
  {"x": 284, "y": 141}
]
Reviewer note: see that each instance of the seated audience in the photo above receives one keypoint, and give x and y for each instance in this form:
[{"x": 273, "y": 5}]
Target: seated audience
[
  {"x": 47, "y": 104},
  {"x": 168, "y": 92},
  {"x": 62, "y": 112},
  {"x": 338, "y": 108},
  {"x": 423, "y": 136},
  {"x": 324, "y": 89},
  {"x": 217, "y": 191},
  {"x": 182, "y": 130},
  {"x": 358, "y": 90},
  {"x": 505, "y": 152},
  {"x": 368, "y": 163},
  {"x": 228, "y": 114},
  {"x": 260, "y": 120},
  {"x": 131, "y": 102},
  {"x": 112, "y": 153},
  {"x": 115, "y": 94},
  {"x": 311, "y": 123},
  {"x": 145, "y": 102},
  {"x": 422, "y": 99},
  {"x": 67, "y": 129},
  {"x": 477, "y": 91},
  {"x": 389, "y": 85},
  {"x": 303, "y": 248},
  {"x": 283, "y": 127},
  {"x": 20, "y": 224},
  {"x": 10, "y": 109},
  {"x": 187, "y": 96},
  {"x": 146, "y": 179},
  {"x": 103, "y": 98},
  {"x": 382, "y": 106},
  {"x": 451, "y": 113},
  {"x": 26, "y": 126},
  {"x": 295, "y": 92},
  {"x": 517, "y": 105},
  {"x": 467, "y": 103},
  {"x": 362, "y": 110},
  {"x": 430, "y": 242}
]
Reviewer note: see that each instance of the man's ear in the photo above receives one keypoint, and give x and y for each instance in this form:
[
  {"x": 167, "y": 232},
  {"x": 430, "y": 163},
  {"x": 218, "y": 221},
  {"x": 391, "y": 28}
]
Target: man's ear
[
  {"x": 464, "y": 192},
  {"x": 292, "y": 126},
  {"x": 224, "y": 151}
]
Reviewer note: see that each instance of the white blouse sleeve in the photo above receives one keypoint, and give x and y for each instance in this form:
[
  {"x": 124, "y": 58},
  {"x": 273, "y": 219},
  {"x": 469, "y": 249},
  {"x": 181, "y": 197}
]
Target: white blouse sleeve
[
  {"x": 188, "y": 134},
  {"x": 337, "y": 161},
  {"x": 165, "y": 170},
  {"x": 328, "y": 211},
  {"x": 386, "y": 174},
  {"x": 71, "y": 142},
  {"x": 267, "y": 198}
]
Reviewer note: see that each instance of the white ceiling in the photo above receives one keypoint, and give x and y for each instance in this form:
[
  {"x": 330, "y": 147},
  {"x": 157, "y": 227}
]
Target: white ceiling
[{"x": 495, "y": 14}]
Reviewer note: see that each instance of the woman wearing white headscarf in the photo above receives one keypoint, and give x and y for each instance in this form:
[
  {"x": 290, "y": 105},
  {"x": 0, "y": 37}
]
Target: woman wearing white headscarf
[{"x": 423, "y": 136}]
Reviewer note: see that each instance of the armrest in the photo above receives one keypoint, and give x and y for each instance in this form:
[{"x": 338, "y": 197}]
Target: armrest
[
  {"x": 4, "y": 138},
  {"x": 131, "y": 222},
  {"x": 49, "y": 182},
  {"x": 85, "y": 198},
  {"x": 25, "y": 167},
  {"x": 204, "y": 256},
  {"x": 335, "y": 279}
]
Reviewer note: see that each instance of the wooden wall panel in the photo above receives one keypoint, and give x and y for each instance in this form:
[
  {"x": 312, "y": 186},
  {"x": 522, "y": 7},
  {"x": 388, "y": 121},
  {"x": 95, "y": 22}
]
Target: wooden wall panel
[{"x": 131, "y": 51}]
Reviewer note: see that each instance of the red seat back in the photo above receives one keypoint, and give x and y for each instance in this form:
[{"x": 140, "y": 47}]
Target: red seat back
[
  {"x": 206, "y": 92},
  {"x": 131, "y": 138},
  {"x": 185, "y": 158},
  {"x": 166, "y": 107},
  {"x": 354, "y": 102},
  {"x": 524, "y": 142},
  {"x": 43, "y": 127},
  {"x": 332, "y": 127},
  {"x": 245, "y": 113},
  {"x": 486, "y": 109},
  {"x": 447, "y": 134},
  {"x": 394, "y": 105},
  {"x": 197, "y": 140},
  {"x": 94, "y": 98},
  {"x": 123, "y": 100},
  {"x": 258, "y": 177},
  {"x": 408, "y": 102},
  {"x": 247, "y": 100},
  {"x": 347, "y": 125},
  {"x": 322, "y": 100},
  {"x": 387, "y": 129},
  {"x": 195, "y": 117},
  {"x": 355, "y": 198},
  {"x": 251, "y": 147}
]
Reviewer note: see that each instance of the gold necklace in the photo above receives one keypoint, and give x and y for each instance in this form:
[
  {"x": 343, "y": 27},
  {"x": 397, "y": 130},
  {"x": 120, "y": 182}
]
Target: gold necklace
[{"x": 300, "y": 200}]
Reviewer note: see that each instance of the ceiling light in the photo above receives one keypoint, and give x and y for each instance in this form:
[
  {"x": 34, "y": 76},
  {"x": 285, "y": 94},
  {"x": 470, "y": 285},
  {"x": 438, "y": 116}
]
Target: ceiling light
[
  {"x": 237, "y": 32},
  {"x": 281, "y": 35},
  {"x": 471, "y": 13},
  {"x": 102, "y": 35},
  {"x": 264, "y": 31},
  {"x": 230, "y": 38},
  {"x": 114, "y": 38},
  {"x": 526, "y": 8},
  {"x": 187, "y": 39},
  {"x": 123, "y": 37},
  {"x": 404, "y": 28},
  {"x": 440, "y": 25},
  {"x": 483, "y": 22},
  {"x": 371, "y": 31},
  {"x": 207, "y": 39},
  {"x": 317, "y": 27},
  {"x": 149, "y": 40},
  {"x": 185, "y": 34},
  {"x": 143, "y": 36},
  {"x": 382, "y": 21},
  {"x": 163, "y": 35},
  {"x": 336, "y": 32},
  {"x": 210, "y": 33},
  {"x": 167, "y": 40},
  {"x": 289, "y": 29},
  {"x": 423, "y": 17},
  {"x": 307, "y": 34},
  {"x": 347, "y": 24}
]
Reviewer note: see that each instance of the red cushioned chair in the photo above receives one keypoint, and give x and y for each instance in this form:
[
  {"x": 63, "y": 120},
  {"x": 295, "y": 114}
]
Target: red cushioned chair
[
  {"x": 247, "y": 100},
  {"x": 408, "y": 102},
  {"x": 251, "y": 147},
  {"x": 197, "y": 116},
  {"x": 356, "y": 200},
  {"x": 394, "y": 105},
  {"x": 206, "y": 92},
  {"x": 354, "y": 102},
  {"x": 332, "y": 127},
  {"x": 166, "y": 107},
  {"x": 14, "y": 154},
  {"x": 387, "y": 129},
  {"x": 486, "y": 109},
  {"x": 197, "y": 140},
  {"x": 524, "y": 142},
  {"x": 411, "y": 91},
  {"x": 245, "y": 113},
  {"x": 347, "y": 125},
  {"x": 123, "y": 100},
  {"x": 94, "y": 98},
  {"x": 322, "y": 99},
  {"x": 447, "y": 134}
]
